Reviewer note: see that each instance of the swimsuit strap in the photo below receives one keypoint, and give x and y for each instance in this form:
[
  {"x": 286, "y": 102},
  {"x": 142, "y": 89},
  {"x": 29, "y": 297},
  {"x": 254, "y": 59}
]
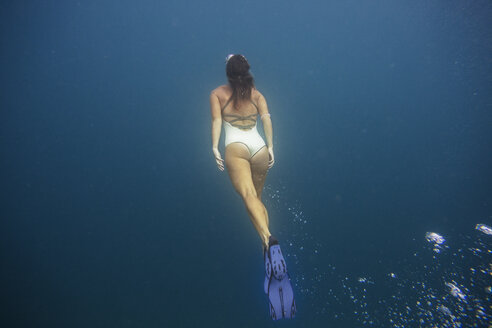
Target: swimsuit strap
[
  {"x": 241, "y": 118},
  {"x": 227, "y": 103},
  {"x": 230, "y": 99},
  {"x": 254, "y": 105},
  {"x": 237, "y": 118}
]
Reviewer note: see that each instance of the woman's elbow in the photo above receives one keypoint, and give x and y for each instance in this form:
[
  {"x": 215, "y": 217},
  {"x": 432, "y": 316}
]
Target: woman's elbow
[
  {"x": 216, "y": 121},
  {"x": 266, "y": 120}
]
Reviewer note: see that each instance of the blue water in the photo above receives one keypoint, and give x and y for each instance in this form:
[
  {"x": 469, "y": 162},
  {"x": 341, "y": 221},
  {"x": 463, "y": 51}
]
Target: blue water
[{"x": 113, "y": 213}]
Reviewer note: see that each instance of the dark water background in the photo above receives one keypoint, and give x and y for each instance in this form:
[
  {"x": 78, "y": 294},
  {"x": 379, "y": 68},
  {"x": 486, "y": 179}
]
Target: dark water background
[{"x": 113, "y": 213}]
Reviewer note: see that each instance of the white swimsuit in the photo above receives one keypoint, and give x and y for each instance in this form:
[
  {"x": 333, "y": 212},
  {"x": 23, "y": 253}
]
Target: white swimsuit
[{"x": 250, "y": 138}]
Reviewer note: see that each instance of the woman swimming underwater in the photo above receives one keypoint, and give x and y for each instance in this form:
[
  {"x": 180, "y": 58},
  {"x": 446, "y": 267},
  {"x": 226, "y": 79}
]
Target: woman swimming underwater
[{"x": 236, "y": 106}]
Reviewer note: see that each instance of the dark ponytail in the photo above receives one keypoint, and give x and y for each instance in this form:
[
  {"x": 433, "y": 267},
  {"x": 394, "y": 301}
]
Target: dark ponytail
[{"x": 240, "y": 79}]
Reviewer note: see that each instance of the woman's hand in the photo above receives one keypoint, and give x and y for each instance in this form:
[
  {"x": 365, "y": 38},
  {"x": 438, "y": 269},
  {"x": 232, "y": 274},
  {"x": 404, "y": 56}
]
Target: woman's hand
[
  {"x": 218, "y": 159},
  {"x": 272, "y": 157}
]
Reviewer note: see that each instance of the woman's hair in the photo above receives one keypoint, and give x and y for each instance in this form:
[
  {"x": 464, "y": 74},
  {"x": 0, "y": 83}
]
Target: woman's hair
[{"x": 240, "y": 79}]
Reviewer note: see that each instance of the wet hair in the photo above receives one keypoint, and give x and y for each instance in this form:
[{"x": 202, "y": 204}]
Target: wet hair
[{"x": 240, "y": 79}]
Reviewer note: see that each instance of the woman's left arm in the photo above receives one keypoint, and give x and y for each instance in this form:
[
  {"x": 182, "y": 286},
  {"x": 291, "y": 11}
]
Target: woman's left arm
[
  {"x": 267, "y": 127},
  {"x": 216, "y": 129}
]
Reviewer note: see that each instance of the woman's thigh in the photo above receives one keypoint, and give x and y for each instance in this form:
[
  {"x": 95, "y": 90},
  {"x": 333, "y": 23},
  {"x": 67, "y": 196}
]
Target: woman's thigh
[
  {"x": 259, "y": 169},
  {"x": 239, "y": 168}
]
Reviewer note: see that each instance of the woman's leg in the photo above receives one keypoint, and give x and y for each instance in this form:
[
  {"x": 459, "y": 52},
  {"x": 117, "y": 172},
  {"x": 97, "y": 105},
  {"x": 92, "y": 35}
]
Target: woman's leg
[
  {"x": 259, "y": 169},
  {"x": 240, "y": 171}
]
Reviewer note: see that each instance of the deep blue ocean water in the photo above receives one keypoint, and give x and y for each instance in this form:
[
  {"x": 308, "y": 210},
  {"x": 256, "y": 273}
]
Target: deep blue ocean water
[{"x": 113, "y": 213}]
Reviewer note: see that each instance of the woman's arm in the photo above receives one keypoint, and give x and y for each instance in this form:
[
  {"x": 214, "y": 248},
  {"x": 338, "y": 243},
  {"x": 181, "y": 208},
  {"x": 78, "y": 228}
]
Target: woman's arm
[
  {"x": 216, "y": 128},
  {"x": 267, "y": 126}
]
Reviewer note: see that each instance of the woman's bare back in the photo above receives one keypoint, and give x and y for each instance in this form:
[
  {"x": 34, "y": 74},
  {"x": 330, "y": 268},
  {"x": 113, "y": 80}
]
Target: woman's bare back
[{"x": 244, "y": 116}]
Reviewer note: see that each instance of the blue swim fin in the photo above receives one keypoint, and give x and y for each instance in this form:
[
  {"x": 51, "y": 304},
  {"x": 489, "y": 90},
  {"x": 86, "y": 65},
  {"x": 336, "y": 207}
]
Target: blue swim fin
[
  {"x": 268, "y": 271},
  {"x": 281, "y": 296},
  {"x": 277, "y": 283}
]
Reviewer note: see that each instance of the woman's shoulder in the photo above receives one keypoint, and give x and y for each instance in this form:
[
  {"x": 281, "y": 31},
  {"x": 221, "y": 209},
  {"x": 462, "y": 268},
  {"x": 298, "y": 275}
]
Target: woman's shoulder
[
  {"x": 256, "y": 95},
  {"x": 221, "y": 90}
]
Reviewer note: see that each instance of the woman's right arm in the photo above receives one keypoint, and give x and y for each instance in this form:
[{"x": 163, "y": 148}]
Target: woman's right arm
[{"x": 216, "y": 128}]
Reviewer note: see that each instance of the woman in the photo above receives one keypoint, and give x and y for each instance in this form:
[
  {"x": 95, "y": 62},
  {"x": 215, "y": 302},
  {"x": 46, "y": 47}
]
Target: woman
[{"x": 236, "y": 106}]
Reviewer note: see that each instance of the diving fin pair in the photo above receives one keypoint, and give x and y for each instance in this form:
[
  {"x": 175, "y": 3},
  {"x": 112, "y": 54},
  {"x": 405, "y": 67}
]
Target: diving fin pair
[{"x": 277, "y": 283}]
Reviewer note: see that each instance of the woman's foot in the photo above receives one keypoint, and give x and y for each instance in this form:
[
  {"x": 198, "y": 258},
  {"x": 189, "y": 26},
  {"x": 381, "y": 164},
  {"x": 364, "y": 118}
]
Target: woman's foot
[{"x": 279, "y": 267}]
